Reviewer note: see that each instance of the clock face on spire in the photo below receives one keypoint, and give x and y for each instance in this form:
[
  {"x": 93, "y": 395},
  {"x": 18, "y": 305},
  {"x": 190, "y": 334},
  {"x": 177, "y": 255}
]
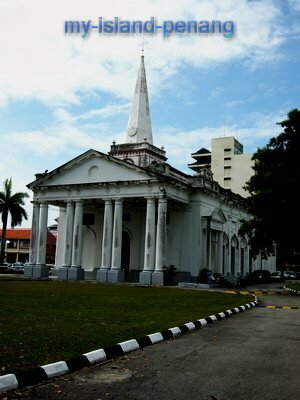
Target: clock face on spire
[{"x": 132, "y": 131}]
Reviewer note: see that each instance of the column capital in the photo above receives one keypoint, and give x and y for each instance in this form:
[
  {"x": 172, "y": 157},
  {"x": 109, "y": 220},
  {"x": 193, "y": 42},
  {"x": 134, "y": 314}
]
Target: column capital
[
  {"x": 118, "y": 201},
  {"x": 43, "y": 203},
  {"x": 150, "y": 198},
  {"x": 162, "y": 199},
  {"x": 78, "y": 202},
  {"x": 107, "y": 201}
]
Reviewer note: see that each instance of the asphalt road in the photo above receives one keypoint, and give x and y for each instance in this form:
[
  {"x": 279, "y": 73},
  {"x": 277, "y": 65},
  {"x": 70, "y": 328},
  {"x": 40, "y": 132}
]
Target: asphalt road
[{"x": 253, "y": 355}]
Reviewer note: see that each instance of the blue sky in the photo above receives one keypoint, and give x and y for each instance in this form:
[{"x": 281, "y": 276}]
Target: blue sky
[{"x": 61, "y": 95}]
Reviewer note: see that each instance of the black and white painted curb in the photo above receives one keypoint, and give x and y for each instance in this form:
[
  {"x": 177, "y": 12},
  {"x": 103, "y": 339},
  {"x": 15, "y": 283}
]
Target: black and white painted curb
[
  {"x": 292, "y": 291},
  {"x": 39, "y": 374}
]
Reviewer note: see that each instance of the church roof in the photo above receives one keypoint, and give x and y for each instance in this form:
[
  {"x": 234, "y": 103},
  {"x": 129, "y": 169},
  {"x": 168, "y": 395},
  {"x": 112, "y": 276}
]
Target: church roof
[
  {"x": 47, "y": 176},
  {"x": 160, "y": 172}
]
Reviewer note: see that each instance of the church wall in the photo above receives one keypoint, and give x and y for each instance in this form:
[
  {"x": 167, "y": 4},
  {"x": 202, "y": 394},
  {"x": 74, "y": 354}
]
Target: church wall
[
  {"x": 196, "y": 238},
  {"x": 136, "y": 229},
  {"x": 174, "y": 240},
  {"x": 203, "y": 204},
  {"x": 185, "y": 250},
  {"x": 92, "y": 243}
]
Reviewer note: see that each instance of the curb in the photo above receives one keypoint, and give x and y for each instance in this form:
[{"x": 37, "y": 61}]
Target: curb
[
  {"x": 39, "y": 374},
  {"x": 292, "y": 291},
  {"x": 282, "y": 307},
  {"x": 256, "y": 292}
]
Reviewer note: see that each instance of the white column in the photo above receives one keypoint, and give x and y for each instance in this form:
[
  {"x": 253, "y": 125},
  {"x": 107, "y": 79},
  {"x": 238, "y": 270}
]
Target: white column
[
  {"x": 229, "y": 254},
  {"x": 220, "y": 251},
  {"x": 115, "y": 274},
  {"x": 107, "y": 235},
  {"x": 75, "y": 272},
  {"x": 149, "y": 253},
  {"x": 40, "y": 269},
  {"x": 60, "y": 238},
  {"x": 117, "y": 235},
  {"x": 150, "y": 236},
  {"x": 77, "y": 235},
  {"x": 209, "y": 234},
  {"x": 34, "y": 233},
  {"x": 161, "y": 238},
  {"x": 247, "y": 259},
  {"x": 68, "y": 239},
  {"x": 106, "y": 241},
  {"x": 42, "y": 237},
  {"x": 238, "y": 257}
]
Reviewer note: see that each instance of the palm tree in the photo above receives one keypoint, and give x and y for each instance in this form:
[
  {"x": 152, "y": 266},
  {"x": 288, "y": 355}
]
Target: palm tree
[{"x": 11, "y": 204}]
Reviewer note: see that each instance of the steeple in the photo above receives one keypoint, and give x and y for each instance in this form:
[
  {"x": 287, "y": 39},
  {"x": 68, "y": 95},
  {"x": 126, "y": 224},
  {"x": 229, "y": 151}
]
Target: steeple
[
  {"x": 139, "y": 125},
  {"x": 139, "y": 148}
]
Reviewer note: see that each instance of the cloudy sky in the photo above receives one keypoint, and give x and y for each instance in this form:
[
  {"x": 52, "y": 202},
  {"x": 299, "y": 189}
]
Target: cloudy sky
[{"x": 61, "y": 95}]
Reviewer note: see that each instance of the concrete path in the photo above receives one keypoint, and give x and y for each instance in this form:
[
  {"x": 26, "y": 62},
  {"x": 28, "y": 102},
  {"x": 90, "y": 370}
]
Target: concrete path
[{"x": 254, "y": 355}]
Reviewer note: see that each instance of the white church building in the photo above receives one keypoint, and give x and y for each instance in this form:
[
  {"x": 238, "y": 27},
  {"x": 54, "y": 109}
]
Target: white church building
[{"x": 127, "y": 214}]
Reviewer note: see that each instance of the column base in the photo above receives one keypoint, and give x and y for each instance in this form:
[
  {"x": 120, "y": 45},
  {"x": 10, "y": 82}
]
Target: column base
[
  {"x": 90, "y": 274},
  {"x": 145, "y": 278},
  {"x": 102, "y": 275},
  {"x": 75, "y": 274},
  {"x": 40, "y": 271},
  {"x": 115, "y": 276},
  {"x": 28, "y": 271},
  {"x": 158, "y": 278},
  {"x": 62, "y": 273}
]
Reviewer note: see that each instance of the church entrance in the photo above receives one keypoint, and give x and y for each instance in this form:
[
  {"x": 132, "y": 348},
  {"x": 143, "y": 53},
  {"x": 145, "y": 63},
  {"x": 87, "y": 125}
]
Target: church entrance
[{"x": 125, "y": 255}]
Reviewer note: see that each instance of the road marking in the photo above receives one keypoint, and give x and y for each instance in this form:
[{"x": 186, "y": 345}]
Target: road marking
[
  {"x": 255, "y": 292},
  {"x": 283, "y": 307}
]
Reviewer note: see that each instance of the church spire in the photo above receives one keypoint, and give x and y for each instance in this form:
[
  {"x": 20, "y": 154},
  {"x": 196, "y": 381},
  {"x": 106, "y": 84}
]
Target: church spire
[{"x": 139, "y": 125}]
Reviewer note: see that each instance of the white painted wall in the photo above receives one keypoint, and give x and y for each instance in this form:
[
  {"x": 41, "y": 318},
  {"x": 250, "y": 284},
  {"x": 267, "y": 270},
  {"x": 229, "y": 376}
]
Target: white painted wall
[{"x": 240, "y": 165}]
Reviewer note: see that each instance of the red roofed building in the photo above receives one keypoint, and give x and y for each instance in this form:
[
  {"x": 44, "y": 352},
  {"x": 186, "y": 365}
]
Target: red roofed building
[{"x": 17, "y": 245}]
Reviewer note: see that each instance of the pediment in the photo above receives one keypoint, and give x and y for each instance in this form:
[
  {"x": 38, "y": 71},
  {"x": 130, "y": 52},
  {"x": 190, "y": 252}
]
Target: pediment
[
  {"x": 215, "y": 215},
  {"x": 92, "y": 167},
  {"x": 216, "y": 219}
]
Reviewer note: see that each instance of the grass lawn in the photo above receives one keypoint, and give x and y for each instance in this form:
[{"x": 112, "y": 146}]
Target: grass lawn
[
  {"x": 46, "y": 321},
  {"x": 295, "y": 286}
]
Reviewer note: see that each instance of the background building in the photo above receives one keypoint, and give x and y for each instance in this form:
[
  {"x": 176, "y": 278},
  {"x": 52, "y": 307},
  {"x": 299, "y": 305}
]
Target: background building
[
  {"x": 231, "y": 168},
  {"x": 18, "y": 245}
]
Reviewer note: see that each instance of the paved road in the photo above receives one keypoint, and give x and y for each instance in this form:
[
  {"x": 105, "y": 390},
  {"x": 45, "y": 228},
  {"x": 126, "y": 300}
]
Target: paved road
[{"x": 254, "y": 355}]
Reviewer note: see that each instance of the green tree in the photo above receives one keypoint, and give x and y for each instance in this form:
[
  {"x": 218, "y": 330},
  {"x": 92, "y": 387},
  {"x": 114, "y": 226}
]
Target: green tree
[
  {"x": 273, "y": 200},
  {"x": 10, "y": 204}
]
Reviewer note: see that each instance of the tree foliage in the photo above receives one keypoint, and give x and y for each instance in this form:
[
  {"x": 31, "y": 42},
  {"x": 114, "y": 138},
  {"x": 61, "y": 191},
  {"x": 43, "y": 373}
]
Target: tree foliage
[
  {"x": 273, "y": 188},
  {"x": 10, "y": 204}
]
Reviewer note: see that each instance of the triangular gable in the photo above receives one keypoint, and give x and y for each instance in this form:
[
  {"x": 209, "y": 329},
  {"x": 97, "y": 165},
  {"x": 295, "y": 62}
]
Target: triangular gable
[
  {"x": 216, "y": 215},
  {"x": 217, "y": 219},
  {"x": 91, "y": 167}
]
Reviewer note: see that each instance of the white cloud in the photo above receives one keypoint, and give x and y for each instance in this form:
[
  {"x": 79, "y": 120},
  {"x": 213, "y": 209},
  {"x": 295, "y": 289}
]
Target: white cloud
[
  {"x": 294, "y": 4},
  {"x": 216, "y": 92},
  {"x": 39, "y": 62},
  {"x": 233, "y": 103},
  {"x": 107, "y": 111}
]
